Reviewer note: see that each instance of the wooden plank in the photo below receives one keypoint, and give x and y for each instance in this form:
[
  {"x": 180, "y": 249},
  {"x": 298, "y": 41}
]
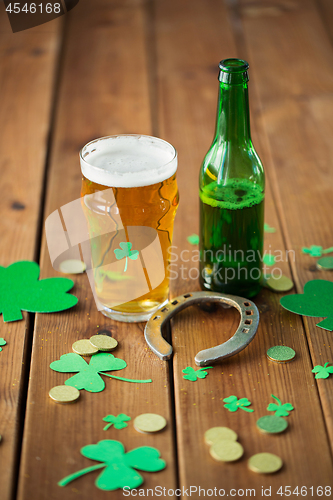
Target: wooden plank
[
  {"x": 190, "y": 43},
  {"x": 325, "y": 8},
  {"x": 28, "y": 62},
  {"x": 299, "y": 126},
  {"x": 104, "y": 91},
  {"x": 291, "y": 24}
]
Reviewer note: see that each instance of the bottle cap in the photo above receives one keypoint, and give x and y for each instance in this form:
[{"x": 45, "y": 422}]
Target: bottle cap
[{"x": 233, "y": 71}]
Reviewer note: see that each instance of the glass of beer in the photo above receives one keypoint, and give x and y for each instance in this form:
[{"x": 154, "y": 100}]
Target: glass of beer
[{"x": 129, "y": 197}]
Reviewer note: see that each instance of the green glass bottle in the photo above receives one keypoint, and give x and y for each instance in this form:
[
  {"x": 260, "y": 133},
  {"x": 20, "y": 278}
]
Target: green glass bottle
[{"x": 232, "y": 190}]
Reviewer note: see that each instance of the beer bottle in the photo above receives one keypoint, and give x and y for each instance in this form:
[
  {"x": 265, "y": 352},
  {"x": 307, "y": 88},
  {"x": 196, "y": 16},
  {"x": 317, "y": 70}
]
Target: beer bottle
[{"x": 232, "y": 183}]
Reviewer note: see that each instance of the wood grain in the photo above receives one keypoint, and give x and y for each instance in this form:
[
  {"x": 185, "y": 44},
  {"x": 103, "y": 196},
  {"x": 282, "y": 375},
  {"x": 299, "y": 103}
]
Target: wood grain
[
  {"x": 188, "y": 52},
  {"x": 104, "y": 90},
  {"x": 139, "y": 66},
  {"x": 27, "y": 70},
  {"x": 298, "y": 122},
  {"x": 325, "y": 8}
]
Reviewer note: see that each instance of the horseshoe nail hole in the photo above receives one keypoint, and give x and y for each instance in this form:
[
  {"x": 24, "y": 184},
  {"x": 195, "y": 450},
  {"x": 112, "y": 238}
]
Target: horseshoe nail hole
[
  {"x": 156, "y": 317},
  {"x": 175, "y": 302},
  {"x": 187, "y": 295},
  {"x": 248, "y": 313},
  {"x": 165, "y": 309},
  {"x": 245, "y": 330},
  {"x": 248, "y": 322},
  {"x": 247, "y": 304}
]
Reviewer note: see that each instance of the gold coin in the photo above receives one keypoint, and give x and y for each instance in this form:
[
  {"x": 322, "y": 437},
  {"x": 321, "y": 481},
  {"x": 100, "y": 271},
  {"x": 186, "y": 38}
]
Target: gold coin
[
  {"x": 281, "y": 354},
  {"x": 265, "y": 463},
  {"x": 72, "y": 266},
  {"x": 103, "y": 342},
  {"x": 271, "y": 424},
  {"x": 325, "y": 263},
  {"x": 149, "y": 422},
  {"x": 84, "y": 347},
  {"x": 279, "y": 284},
  {"x": 226, "y": 451},
  {"x": 64, "y": 394},
  {"x": 216, "y": 434}
]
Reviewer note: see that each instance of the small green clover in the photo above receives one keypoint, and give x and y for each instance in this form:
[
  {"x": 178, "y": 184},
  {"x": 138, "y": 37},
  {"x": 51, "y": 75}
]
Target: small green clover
[
  {"x": 232, "y": 404},
  {"x": 193, "y": 375},
  {"x": 118, "y": 422},
  {"x": 119, "y": 466},
  {"x": 126, "y": 252},
  {"x": 280, "y": 409},
  {"x": 2, "y": 342},
  {"x": 314, "y": 250},
  {"x": 322, "y": 371}
]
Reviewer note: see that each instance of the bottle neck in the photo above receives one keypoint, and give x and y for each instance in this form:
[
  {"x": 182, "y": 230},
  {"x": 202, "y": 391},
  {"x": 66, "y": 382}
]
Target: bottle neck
[{"x": 233, "y": 116}]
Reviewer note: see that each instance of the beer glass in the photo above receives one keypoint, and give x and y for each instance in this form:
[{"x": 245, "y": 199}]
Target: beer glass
[{"x": 129, "y": 197}]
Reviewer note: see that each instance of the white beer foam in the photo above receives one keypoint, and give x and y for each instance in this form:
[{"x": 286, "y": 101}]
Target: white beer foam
[{"x": 128, "y": 161}]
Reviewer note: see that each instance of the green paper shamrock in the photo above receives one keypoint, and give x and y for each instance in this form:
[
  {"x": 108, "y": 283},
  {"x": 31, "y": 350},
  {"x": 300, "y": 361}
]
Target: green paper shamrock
[
  {"x": 193, "y": 375},
  {"x": 2, "y": 343},
  {"x": 233, "y": 404},
  {"x": 269, "y": 229},
  {"x": 317, "y": 300},
  {"x": 21, "y": 290},
  {"x": 119, "y": 422},
  {"x": 322, "y": 371},
  {"x": 280, "y": 409},
  {"x": 88, "y": 376},
  {"x": 119, "y": 466},
  {"x": 126, "y": 252},
  {"x": 314, "y": 250},
  {"x": 193, "y": 239}
]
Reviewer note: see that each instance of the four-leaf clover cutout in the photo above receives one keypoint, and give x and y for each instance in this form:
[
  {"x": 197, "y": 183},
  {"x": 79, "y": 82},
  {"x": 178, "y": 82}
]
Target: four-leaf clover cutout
[
  {"x": 2, "y": 343},
  {"x": 118, "y": 422},
  {"x": 119, "y": 466},
  {"x": 232, "y": 404},
  {"x": 126, "y": 252},
  {"x": 322, "y": 371},
  {"x": 280, "y": 409},
  {"x": 193, "y": 375},
  {"x": 88, "y": 375}
]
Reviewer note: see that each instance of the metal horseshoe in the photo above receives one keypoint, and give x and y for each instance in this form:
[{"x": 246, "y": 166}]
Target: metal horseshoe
[{"x": 244, "y": 334}]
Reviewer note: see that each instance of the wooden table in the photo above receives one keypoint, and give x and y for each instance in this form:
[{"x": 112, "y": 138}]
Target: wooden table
[{"x": 150, "y": 67}]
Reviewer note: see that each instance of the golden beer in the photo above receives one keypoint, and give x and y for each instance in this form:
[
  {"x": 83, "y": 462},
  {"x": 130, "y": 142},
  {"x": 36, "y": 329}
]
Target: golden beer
[{"x": 130, "y": 198}]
